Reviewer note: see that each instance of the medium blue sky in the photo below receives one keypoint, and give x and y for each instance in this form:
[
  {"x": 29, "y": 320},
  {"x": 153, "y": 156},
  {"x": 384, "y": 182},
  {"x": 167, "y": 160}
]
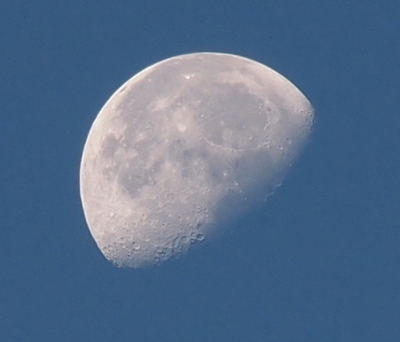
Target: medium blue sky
[{"x": 320, "y": 262}]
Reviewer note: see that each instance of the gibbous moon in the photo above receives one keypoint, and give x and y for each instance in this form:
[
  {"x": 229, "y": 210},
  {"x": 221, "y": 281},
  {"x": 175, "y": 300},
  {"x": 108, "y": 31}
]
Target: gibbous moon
[{"x": 183, "y": 149}]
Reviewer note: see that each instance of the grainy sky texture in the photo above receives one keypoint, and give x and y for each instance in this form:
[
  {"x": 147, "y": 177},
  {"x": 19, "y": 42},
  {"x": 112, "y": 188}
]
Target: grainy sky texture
[{"x": 320, "y": 262}]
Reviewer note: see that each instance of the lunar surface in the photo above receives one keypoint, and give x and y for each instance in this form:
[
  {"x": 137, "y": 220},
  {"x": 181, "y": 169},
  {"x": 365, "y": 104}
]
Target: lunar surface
[{"x": 183, "y": 149}]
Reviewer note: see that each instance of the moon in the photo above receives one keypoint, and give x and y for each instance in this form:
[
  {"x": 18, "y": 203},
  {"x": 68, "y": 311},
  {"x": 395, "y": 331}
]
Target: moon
[{"x": 185, "y": 148}]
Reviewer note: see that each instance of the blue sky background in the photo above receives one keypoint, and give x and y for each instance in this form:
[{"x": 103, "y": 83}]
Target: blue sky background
[{"x": 320, "y": 262}]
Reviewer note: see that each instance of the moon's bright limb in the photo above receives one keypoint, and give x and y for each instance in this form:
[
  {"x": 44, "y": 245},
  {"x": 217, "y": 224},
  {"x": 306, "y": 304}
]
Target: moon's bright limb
[{"x": 184, "y": 148}]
